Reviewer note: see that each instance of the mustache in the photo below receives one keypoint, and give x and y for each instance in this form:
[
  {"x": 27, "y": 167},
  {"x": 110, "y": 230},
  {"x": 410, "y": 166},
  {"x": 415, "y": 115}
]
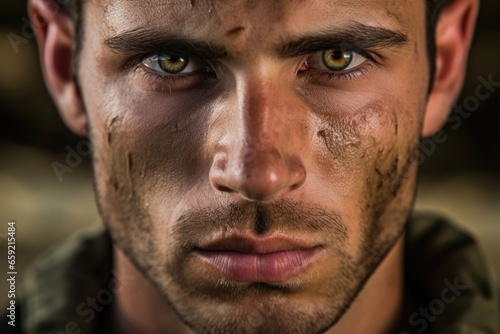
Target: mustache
[{"x": 284, "y": 216}]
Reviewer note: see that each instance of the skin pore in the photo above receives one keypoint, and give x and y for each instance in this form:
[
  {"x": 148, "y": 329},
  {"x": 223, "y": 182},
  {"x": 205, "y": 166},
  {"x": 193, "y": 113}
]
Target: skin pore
[{"x": 255, "y": 139}]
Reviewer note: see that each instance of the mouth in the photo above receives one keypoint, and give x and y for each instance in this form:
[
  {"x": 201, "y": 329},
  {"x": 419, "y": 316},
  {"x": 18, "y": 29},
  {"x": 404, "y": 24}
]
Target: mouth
[{"x": 270, "y": 259}]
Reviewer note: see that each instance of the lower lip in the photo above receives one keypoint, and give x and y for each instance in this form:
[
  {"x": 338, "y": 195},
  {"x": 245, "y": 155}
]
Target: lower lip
[{"x": 266, "y": 268}]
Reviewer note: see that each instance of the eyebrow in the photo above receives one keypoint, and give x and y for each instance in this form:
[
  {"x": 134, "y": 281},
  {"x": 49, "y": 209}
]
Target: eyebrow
[
  {"x": 150, "y": 41},
  {"x": 358, "y": 37}
]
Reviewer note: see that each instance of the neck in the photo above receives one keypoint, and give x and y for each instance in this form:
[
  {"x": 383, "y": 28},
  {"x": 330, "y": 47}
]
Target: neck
[
  {"x": 138, "y": 307},
  {"x": 381, "y": 302}
]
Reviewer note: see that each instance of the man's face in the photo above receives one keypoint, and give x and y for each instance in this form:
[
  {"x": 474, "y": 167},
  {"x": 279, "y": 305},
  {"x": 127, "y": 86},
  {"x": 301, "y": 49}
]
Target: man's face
[{"x": 261, "y": 185}]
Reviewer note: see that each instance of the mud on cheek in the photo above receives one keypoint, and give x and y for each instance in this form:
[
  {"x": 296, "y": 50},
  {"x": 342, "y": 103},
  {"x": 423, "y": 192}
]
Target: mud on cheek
[
  {"x": 389, "y": 188},
  {"x": 118, "y": 185},
  {"x": 372, "y": 150}
]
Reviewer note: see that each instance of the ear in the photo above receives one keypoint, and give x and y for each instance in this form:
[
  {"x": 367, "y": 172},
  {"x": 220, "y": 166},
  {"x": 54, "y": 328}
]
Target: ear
[
  {"x": 55, "y": 31},
  {"x": 454, "y": 32}
]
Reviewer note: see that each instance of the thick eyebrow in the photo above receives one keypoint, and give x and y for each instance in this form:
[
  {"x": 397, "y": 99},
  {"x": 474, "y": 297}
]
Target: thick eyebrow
[
  {"x": 150, "y": 41},
  {"x": 359, "y": 37}
]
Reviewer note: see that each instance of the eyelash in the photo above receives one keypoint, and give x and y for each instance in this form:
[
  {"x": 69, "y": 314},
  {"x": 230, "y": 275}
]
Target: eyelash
[
  {"x": 173, "y": 78},
  {"x": 328, "y": 77},
  {"x": 157, "y": 80},
  {"x": 166, "y": 82}
]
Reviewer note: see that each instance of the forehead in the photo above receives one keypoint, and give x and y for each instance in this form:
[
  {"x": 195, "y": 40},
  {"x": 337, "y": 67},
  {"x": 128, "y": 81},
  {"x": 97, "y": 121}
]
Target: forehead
[{"x": 232, "y": 21}]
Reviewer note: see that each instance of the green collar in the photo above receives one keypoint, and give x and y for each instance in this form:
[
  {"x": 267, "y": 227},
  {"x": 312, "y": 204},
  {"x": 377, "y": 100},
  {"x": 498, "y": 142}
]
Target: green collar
[
  {"x": 61, "y": 288},
  {"x": 449, "y": 279}
]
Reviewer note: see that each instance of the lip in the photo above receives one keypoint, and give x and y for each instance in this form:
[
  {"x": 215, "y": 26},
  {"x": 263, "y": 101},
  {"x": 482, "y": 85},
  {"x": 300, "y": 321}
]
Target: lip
[{"x": 259, "y": 259}]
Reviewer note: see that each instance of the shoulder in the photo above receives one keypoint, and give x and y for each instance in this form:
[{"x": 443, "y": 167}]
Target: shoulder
[
  {"x": 62, "y": 278},
  {"x": 447, "y": 271}
]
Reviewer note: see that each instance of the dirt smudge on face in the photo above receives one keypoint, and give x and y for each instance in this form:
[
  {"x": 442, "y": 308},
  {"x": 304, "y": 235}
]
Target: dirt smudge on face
[
  {"x": 118, "y": 161},
  {"x": 368, "y": 142},
  {"x": 111, "y": 126},
  {"x": 336, "y": 142},
  {"x": 235, "y": 31},
  {"x": 395, "y": 9}
]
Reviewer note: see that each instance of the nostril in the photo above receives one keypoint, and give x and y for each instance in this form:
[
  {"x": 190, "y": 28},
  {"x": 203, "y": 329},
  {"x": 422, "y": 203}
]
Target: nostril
[
  {"x": 298, "y": 174},
  {"x": 224, "y": 189}
]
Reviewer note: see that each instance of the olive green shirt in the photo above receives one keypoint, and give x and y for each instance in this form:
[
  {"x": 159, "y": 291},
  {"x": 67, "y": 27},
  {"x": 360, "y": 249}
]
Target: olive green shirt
[{"x": 447, "y": 278}]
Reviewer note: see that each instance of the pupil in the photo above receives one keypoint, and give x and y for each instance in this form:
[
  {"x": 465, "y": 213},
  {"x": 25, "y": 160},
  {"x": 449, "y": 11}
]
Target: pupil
[
  {"x": 337, "y": 55},
  {"x": 337, "y": 59},
  {"x": 174, "y": 59}
]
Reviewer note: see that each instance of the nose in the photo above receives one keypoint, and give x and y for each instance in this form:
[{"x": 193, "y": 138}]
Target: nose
[{"x": 260, "y": 159}]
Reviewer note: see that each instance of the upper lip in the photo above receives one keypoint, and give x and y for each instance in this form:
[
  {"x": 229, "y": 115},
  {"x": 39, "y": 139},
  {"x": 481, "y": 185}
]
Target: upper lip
[{"x": 255, "y": 244}]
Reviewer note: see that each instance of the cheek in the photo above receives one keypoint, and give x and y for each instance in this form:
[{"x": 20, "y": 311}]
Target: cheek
[
  {"x": 349, "y": 140},
  {"x": 148, "y": 151},
  {"x": 365, "y": 153}
]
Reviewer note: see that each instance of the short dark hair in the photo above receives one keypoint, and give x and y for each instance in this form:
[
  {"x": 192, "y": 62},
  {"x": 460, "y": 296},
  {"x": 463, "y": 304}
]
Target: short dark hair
[{"x": 433, "y": 9}]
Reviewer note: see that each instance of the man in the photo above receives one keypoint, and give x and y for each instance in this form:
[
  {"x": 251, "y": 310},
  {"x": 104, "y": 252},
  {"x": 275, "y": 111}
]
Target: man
[{"x": 255, "y": 167}]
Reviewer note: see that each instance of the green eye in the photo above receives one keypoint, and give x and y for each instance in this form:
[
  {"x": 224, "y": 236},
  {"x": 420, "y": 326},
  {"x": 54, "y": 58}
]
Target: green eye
[
  {"x": 337, "y": 59},
  {"x": 172, "y": 63}
]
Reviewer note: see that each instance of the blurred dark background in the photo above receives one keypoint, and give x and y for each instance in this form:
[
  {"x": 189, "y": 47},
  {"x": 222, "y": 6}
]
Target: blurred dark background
[{"x": 460, "y": 175}]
